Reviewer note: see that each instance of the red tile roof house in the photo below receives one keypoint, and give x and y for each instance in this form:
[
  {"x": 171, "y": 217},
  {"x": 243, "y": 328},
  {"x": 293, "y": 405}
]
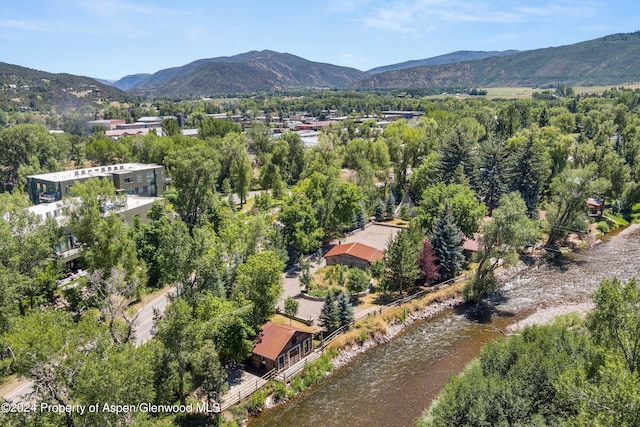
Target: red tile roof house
[
  {"x": 353, "y": 255},
  {"x": 280, "y": 346}
]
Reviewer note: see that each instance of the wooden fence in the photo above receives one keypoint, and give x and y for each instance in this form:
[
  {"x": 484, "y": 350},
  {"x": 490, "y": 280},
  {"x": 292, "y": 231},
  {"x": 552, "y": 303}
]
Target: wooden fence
[{"x": 247, "y": 389}]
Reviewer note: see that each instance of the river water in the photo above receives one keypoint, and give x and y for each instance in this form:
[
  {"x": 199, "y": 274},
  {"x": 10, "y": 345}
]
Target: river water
[{"x": 392, "y": 384}]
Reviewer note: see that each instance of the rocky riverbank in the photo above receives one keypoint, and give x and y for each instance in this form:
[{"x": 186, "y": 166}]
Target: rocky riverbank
[{"x": 347, "y": 353}]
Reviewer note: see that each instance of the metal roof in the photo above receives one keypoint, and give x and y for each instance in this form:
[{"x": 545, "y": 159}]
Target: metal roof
[
  {"x": 273, "y": 339},
  {"x": 357, "y": 250}
]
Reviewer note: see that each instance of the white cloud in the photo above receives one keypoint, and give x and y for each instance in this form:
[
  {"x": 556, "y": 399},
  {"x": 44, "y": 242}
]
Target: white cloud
[{"x": 413, "y": 16}]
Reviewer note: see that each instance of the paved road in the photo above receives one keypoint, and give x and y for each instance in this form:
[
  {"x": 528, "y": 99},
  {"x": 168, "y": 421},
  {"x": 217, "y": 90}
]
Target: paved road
[
  {"x": 143, "y": 331},
  {"x": 374, "y": 235},
  {"x": 144, "y": 322}
]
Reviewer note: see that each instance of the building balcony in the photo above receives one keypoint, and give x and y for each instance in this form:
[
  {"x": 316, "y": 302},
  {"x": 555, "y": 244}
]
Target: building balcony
[
  {"x": 46, "y": 198},
  {"x": 69, "y": 254}
]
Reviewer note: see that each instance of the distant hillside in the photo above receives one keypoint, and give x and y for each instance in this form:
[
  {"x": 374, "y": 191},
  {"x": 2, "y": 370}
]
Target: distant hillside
[
  {"x": 612, "y": 59},
  {"x": 131, "y": 82},
  {"x": 23, "y": 88},
  {"x": 247, "y": 72},
  {"x": 449, "y": 58}
]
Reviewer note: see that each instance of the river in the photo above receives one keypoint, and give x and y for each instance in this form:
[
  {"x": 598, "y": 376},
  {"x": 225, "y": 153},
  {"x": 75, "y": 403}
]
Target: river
[{"x": 392, "y": 384}]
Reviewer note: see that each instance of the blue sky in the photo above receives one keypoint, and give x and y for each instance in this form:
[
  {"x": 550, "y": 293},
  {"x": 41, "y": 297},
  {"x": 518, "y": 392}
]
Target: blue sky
[{"x": 114, "y": 38}]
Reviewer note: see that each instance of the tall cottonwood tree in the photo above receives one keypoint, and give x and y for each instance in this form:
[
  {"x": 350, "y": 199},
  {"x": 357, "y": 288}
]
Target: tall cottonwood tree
[
  {"x": 194, "y": 172},
  {"x": 258, "y": 280},
  {"x": 503, "y": 238},
  {"x": 615, "y": 321}
]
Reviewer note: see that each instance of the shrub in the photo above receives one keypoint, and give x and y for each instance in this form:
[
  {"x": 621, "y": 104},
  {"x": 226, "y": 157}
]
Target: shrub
[
  {"x": 297, "y": 385},
  {"x": 256, "y": 401},
  {"x": 603, "y": 227},
  {"x": 279, "y": 391}
]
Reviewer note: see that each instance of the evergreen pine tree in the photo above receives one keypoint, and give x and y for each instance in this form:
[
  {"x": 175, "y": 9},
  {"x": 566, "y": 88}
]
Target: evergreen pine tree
[
  {"x": 390, "y": 205},
  {"x": 329, "y": 316},
  {"x": 361, "y": 217},
  {"x": 379, "y": 210},
  {"x": 401, "y": 260},
  {"x": 446, "y": 240},
  {"x": 345, "y": 310}
]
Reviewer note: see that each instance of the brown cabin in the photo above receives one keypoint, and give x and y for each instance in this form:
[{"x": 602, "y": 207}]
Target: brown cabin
[
  {"x": 280, "y": 346},
  {"x": 353, "y": 255}
]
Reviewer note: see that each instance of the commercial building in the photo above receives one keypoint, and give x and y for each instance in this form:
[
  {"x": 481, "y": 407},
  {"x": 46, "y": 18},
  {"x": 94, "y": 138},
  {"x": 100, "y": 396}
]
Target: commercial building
[{"x": 145, "y": 180}]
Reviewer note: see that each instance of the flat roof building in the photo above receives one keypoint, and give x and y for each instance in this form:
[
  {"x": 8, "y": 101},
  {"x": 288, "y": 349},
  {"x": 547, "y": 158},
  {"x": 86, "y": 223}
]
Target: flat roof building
[{"x": 139, "y": 179}]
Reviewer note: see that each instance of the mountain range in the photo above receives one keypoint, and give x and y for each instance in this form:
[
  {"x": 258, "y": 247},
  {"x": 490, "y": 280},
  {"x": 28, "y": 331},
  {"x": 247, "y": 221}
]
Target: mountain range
[
  {"x": 247, "y": 72},
  {"x": 609, "y": 60},
  {"x": 449, "y": 58}
]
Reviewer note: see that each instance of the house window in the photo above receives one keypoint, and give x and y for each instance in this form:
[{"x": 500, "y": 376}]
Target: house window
[
  {"x": 149, "y": 177},
  {"x": 139, "y": 177},
  {"x": 281, "y": 362},
  {"x": 294, "y": 355},
  {"x": 306, "y": 346},
  {"x": 140, "y": 190}
]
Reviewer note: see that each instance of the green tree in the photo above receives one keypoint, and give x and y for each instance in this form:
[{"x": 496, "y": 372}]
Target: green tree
[
  {"x": 167, "y": 249},
  {"x": 390, "y": 206},
  {"x": 492, "y": 175},
  {"x": 615, "y": 321},
  {"x": 529, "y": 167},
  {"x": 176, "y": 332},
  {"x": 291, "y": 307},
  {"x": 92, "y": 212},
  {"x": 502, "y": 240},
  {"x": 119, "y": 374},
  {"x": 28, "y": 266},
  {"x": 357, "y": 280},
  {"x": 194, "y": 172},
  {"x": 446, "y": 240},
  {"x": 329, "y": 316},
  {"x": 401, "y": 260},
  {"x": 210, "y": 127},
  {"x": 345, "y": 310},
  {"x": 242, "y": 172},
  {"x": 301, "y": 229},
  {"x": 258, "y": 280},
  {"x": 456, "y": 152},
  {"x": 426, "y": 175},
  {"x": 210, "y": 375},
  {"x": 462, "y": 202},
  {"x": 170, "y": 127},
  {"x": 51, "y": 349},
  {"x": 570, "y": 191}
]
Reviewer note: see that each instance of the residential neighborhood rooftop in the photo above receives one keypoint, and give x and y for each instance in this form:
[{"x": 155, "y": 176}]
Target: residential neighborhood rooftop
[
  {"x": 357, "y": 250},
  {"x": 96, "y": 171},
  {"x": 273, "y": 338}
]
